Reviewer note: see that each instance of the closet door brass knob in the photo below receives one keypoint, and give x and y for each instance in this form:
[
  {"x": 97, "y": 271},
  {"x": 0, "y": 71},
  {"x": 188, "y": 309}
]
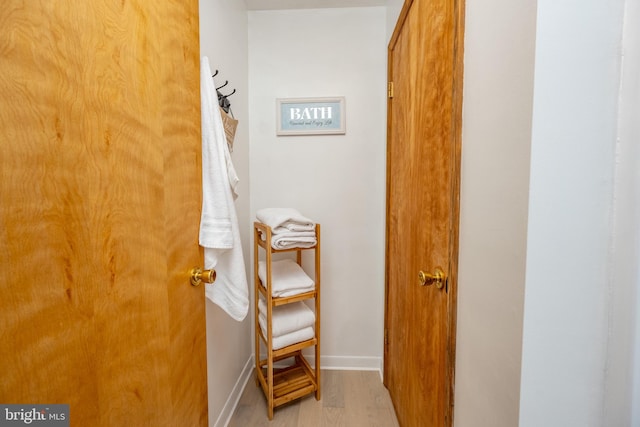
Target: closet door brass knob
[
  {"x": 427, "y": 279},
  {"x": 199, "y": 275}
]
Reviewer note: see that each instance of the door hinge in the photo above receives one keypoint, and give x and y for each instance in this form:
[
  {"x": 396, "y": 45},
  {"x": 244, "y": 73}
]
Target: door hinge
[{"x": 390, "y": 89}]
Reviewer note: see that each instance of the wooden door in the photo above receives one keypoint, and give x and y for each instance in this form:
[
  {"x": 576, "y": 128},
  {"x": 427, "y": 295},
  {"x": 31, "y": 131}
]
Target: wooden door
[
  {"x": 100, "y": 186},
  {"x": 423, "y": 155}
]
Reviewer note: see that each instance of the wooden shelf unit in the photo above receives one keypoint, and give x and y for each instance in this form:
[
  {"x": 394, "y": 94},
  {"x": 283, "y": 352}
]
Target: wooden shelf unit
[{"x": 282, "y": 385}]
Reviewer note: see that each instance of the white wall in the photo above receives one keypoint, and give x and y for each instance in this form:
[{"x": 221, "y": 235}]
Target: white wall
[
  {"x": 223, "y": 39},
  {"x": 394, "y": 7},
  {"x": 338, "y": 181},
  {"x": 623, "y": 365},
  {"x": 496, "y": 134},
  {"x": 569, "y": 276},
  {"x": 624, "y": 382}
]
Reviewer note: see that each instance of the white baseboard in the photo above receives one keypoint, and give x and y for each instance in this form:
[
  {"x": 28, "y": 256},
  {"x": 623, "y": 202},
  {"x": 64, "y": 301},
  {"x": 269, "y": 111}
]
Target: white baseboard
[
  {"x": 347, "y": 363},
  {"x": 234, "y": 397},
  {"x": 350, "y": 363}
]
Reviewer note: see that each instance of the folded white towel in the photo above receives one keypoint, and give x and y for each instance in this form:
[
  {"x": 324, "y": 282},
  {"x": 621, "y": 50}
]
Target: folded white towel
[
  {"x": 285, "y": 318},
  {"x": 288, "y": 240},
  {"x": 287, "y": 278},
  {"x": 219, "y": 231},
  {"x": 282, "y": 220},
  {"x": 292, "y": 338}
]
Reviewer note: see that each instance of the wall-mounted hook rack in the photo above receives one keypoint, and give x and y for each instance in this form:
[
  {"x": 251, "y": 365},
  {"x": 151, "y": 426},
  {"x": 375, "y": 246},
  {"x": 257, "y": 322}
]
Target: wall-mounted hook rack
[{"x": 222, "y": 99}]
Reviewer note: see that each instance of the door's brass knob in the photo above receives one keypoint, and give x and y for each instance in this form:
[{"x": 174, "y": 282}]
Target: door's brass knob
[
  {"x": 437, "y": 277},
  {"x": 199, "y": 275}
]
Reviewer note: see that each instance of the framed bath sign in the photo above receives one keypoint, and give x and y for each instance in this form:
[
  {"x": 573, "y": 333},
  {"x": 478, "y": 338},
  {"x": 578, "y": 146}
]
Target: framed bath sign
[{"x": 310, "y": 116}]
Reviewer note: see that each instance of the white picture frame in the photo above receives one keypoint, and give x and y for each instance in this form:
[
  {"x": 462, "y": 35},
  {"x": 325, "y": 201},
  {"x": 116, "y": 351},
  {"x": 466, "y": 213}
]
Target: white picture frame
[{"x": 310, "y": 116}]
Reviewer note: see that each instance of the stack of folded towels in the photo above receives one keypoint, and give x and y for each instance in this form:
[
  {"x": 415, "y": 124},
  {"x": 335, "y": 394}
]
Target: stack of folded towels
[
  {"x": 289, "y": 228},
  {"x": 294, "y": 322},
  {"x": 291, "y": 323},
  {"x": 287, "y": 278}
]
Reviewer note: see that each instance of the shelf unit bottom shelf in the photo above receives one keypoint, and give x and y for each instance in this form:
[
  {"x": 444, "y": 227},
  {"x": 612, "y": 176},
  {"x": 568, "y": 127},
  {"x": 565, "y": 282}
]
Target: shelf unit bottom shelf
[{"x": 290, "y": 382}]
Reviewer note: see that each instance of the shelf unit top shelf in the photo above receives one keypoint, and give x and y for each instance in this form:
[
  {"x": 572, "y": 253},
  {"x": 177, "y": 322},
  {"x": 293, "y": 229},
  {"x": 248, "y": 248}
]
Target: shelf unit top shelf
[{"x": 263, "y": 243}]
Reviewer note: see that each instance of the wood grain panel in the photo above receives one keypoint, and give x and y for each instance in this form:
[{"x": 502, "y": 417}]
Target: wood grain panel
[
  {"x": 422, "y": 201},
  {"x": 84, "y": 317},
  {"x": 183, "y": 200}
]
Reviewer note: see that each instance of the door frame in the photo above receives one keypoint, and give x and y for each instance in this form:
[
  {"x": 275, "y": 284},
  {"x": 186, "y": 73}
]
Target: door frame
[{"x": 454, "y": 217}]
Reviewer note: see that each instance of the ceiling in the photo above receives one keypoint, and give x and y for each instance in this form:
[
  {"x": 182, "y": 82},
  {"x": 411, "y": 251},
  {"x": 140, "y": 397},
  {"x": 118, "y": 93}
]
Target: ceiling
[{"x": 310, "y": 4}]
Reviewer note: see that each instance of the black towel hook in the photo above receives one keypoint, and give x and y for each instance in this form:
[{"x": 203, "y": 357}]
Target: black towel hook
[
  {"x": 215, "y": 74},
  {"x": 226, "y": 82},
  {"x": 226, "y": 96}
]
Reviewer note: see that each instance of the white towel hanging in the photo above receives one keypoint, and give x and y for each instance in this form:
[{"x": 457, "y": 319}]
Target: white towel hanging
[{"x": 219, "y": 231}]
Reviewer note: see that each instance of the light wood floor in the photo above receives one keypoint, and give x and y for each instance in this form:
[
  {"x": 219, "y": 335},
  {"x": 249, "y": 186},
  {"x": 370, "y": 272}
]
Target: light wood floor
[{"x": 349, "y": 399}]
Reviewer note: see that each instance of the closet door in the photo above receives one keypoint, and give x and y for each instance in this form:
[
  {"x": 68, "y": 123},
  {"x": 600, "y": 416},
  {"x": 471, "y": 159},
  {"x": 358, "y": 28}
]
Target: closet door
[
  {"x": 425, "y": 56},
  {"x": 101, "y": 187}
]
